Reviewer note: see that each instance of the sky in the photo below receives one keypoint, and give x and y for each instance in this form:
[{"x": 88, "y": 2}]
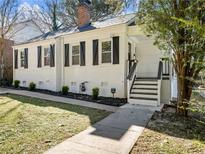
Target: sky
[{"x": 131, "y": 9}]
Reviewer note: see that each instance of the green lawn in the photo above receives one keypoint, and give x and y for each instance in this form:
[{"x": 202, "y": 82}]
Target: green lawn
[
  {"x": 29, "y": 125},
  {"x": 168, "y": 133}
]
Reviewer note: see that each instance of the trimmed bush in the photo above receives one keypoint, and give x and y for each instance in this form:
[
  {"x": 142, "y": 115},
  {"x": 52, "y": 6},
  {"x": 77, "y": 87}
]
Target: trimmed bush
[
  {"x": 95, "y": 93},
  {"x": 32, "y": 86},
  {"x": 16, "y": 83},
  {"x": 65, "y": 90}
]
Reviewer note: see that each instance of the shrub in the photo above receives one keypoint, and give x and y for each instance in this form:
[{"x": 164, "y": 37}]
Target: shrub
[
  {"x": 95, "y": 93},
  {"x": 32, "y": 86},
  {"x": 6, "y": 82},
  {"x": 16, "y": 83},
  {"x": 65, "y": 90}
]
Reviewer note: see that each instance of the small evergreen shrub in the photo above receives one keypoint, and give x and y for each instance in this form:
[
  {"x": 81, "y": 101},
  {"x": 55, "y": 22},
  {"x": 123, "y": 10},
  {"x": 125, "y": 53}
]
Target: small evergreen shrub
[
  {"x": 16, "y": 83},
  {"x": 32, "y": 86},
  {"x": 95, "y": 93},
  {"x": 65, "y": 90}
]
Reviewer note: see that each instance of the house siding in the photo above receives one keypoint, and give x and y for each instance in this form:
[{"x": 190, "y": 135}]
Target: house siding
[{"x": 104, "y": 76}]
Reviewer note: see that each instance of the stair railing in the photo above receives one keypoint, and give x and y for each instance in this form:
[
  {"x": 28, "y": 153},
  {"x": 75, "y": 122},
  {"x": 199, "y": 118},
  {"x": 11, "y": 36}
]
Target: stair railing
[
  {"x": 159, "y": 77},
  {"x": 131, "y": 77}
]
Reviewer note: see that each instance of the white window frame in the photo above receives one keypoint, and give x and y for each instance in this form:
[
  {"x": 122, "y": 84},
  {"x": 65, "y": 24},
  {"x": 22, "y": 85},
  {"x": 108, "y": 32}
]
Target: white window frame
[
  {"x": 74, "y": 45},
  {"x": 21, "y": 51},
  {"x": 111, "y": 51},
  {"x": 48, "y": 56}
]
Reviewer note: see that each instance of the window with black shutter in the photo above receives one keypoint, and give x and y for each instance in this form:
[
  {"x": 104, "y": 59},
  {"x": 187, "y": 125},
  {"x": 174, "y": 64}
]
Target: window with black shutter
[
  {"x": 95, "y": 52},
  {"x": 66, "y": 50},
  {"x": 26, "y": 58},
  {"x": 52, "y": 55},
  {"x": 39, "y": 56},
  {"x": 16, "y": 59},
  {"x": 116, "y": 49},
  {"x": 82, "y": 53}
]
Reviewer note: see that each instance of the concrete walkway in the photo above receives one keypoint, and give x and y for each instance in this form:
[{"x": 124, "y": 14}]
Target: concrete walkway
[
  {"x": 115, "y": 134},
  {"x": 59, "y": 99}
]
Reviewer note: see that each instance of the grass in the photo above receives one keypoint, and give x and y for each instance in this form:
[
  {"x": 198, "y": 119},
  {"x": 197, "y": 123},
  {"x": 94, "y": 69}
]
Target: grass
[
  {"x": 30, "y": 125},
  {"x": 168, "y": 133}
]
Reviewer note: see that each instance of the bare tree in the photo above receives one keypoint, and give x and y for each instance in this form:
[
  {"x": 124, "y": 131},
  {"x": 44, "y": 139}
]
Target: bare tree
[
  {"x": 48, "y": 14},
  {"x": 8, "y": 17},
  {"x": 99, "y": 9}
]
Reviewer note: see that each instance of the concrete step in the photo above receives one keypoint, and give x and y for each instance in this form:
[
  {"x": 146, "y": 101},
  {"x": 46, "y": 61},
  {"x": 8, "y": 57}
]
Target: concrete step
[
  {"x": 145, "y": 82},
  {"x": 146, "y": 79},
  {"x": 145, "y": 96},
  {"x": 143, "y": 102},
  {"x": 143, "y": 91},
  {"x": 150, "y": 87}
]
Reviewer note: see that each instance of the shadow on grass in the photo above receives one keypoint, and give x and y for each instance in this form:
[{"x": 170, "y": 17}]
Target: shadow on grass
[{"x": 93, "y": 114}]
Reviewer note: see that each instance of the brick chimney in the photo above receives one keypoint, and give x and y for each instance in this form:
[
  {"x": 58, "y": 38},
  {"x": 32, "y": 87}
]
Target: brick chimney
[{"x": 83, "y": 11}]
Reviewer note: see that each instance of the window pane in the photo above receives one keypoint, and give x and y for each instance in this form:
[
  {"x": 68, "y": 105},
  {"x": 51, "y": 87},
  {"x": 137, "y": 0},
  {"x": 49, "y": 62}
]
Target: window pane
[
  {"x": 22, "y": 63},
  {"x": 46, "y": 56},
  {"x": 75, "y": 60},
  {"x": 106, "y": 57},
  {"x": 22, "y": 58},
  {"x": 76, "y": 50},
  {"x": 46, "y": 61},
  {"x": 46, "y": 52},
  {"x": 106, "y": 46}
]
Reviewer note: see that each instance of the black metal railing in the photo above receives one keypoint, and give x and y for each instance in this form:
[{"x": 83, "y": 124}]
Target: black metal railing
[
  {"x": 132, "y": 71},
  {"x": 160, "y": 70}
]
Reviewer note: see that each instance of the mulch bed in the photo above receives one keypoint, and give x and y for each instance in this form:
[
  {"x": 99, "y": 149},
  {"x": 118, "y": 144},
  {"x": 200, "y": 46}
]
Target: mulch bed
[
  {"x": 101, "y": 100},
  {"x": 168, "y": 132}
]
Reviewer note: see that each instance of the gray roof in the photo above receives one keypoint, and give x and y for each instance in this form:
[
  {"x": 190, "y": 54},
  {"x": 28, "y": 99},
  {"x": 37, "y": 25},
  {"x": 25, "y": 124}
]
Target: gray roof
[{"x": 102, "y": 23}]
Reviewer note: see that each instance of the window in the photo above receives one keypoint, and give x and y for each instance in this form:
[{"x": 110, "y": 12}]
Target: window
[
  {"x": 46, "y": 56},
  {"x": 106, "y": 52},
  {"x": 22, "y": 58},
  {"x": 76, "y": 55}
]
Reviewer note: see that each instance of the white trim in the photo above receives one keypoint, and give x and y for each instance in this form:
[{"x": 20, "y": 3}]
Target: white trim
[
  {"x": 71, "y": 46},
  {"x": 100, "y": 57},
  {"x": 43, "y": 56}
]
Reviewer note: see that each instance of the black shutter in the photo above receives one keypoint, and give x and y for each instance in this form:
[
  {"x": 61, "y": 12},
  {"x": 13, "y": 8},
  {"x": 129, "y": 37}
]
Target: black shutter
[
  {"x": 82, "y": 53},
  {"x": 39, "y": 56},
  {"x": 95, "y": 52},
  {"x": 26, "y": 58},
  {"x": 16, "y": 59},
  {"x": 52, "y": 55},
  {"x": 116, "y": 50},
  {"x": 66, "y": 49}
]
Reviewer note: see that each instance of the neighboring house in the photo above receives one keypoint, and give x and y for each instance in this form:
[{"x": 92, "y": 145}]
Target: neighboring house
[
  {"x": 24, "y": 31},
  {"x": 109, "y": 53},
  {"x": 19, "y": 33},
  {"x": 7, "y": 61}
]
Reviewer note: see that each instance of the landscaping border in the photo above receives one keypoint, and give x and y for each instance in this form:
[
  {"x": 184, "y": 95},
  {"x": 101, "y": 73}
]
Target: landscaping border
[{"x": 84, "y": 97}]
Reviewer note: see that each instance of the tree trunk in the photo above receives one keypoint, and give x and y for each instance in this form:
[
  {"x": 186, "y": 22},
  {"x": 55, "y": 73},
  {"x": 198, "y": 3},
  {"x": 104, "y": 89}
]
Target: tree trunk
[{"x": 184, "y": 95}]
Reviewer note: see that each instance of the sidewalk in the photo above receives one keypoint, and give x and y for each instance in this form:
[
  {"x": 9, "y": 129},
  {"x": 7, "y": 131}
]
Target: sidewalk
[
  {"x": 115, "y": 134},
  {"x": 59, "y": 99}
]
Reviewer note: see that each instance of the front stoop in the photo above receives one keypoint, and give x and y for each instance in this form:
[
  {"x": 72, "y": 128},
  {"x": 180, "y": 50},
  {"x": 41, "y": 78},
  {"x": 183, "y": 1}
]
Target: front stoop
[
  {"x": 145, "y": 91},
  {"x": 115, "y": 134}
]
